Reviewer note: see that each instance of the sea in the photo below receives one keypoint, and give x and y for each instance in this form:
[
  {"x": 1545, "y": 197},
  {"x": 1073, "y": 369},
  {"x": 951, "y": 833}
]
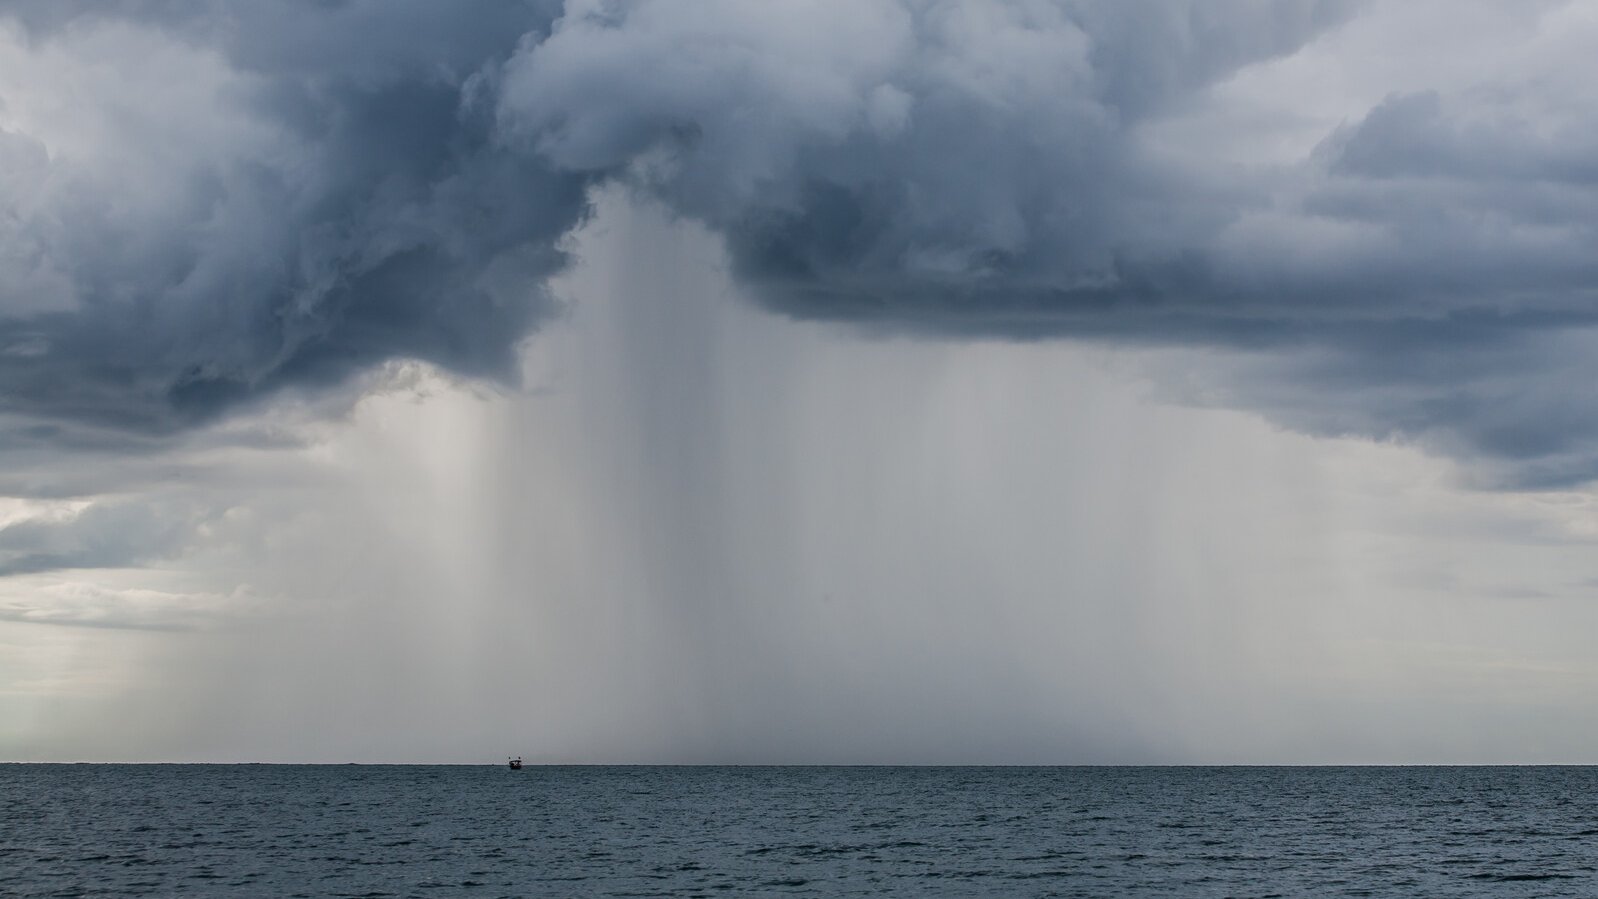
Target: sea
[{"x": 428, "y": 831}]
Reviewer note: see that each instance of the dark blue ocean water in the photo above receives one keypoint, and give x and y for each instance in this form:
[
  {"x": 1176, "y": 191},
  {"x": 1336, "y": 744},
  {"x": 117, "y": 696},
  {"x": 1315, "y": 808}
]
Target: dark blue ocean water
[{"x": 158, "y": 830}]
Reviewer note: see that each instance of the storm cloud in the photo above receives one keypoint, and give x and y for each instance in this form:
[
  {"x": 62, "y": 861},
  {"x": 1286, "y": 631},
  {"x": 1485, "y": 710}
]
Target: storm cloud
[
  {"x": 258, "y": 197},
  {"x": 252, "y": 198}
]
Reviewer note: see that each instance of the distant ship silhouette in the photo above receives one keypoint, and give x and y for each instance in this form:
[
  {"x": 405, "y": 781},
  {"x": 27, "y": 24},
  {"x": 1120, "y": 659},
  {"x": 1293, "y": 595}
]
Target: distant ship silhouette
[{"x": 516, "y": 763}]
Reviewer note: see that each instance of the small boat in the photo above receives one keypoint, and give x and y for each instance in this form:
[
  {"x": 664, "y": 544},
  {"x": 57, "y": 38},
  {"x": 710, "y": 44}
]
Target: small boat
[{"x": 516, "y": 763}]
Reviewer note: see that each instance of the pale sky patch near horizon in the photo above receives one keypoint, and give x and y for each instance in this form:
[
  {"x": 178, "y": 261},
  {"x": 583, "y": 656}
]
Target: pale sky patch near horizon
[{"x": 994, "y": 383}]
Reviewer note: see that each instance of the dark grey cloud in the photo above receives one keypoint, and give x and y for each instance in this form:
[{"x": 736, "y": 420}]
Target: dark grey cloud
[
  {"x": 981, "y": 170},
  {"x": 358, "y": 210},
  {"x": 937, "y": 154},
  {"x": 395, "y": 180},
  {"x": 1500, "y": 393}
]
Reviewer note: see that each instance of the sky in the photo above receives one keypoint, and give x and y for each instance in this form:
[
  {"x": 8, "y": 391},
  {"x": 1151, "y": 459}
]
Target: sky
[{"x": 881, "y": 381}]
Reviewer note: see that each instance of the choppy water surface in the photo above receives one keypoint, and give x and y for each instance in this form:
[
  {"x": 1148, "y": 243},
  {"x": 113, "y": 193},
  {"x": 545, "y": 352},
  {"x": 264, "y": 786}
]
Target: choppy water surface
[{"x": 128, "y": 830}]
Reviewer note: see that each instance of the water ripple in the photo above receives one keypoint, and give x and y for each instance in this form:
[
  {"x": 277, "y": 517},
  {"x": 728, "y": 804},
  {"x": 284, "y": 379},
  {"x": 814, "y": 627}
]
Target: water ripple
[{"x": 378, "y": 832}]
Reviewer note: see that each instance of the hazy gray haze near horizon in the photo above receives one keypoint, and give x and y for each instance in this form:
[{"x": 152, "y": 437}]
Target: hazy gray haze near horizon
[{"x": 382, "y": 380}]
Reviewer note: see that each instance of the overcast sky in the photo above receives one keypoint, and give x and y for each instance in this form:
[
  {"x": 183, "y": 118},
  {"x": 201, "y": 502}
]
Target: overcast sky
[{"x": 855, "y": 381}]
